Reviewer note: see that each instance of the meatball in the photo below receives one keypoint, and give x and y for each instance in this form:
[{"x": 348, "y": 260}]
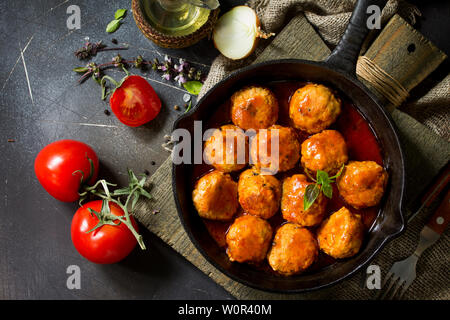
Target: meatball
[
  {"x": 228, "y": 141},
  {"x": 248, "y": 239},
  {"x": 294, "y": 249},
  {"x": 313, "y": 108},
  {"x": 362, "y": 183},
  {"x": 259, "y": 194},
  {"x": 288, "y": 149},
  {"x": 292, "y": 202},
  {"x": 326, "y": 151},
  {"x": 215, "y": 196},
  {"x": 341, "y": 235},
  {"x": 254, "y": 108}
]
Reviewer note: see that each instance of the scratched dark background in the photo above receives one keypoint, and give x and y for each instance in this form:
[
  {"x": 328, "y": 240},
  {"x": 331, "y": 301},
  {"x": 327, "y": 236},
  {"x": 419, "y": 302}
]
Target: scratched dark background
[{"x": 40, "y": 102}]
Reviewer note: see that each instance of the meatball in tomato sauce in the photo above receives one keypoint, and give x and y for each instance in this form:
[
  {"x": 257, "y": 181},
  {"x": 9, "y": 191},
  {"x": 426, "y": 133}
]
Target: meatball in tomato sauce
[
  {"x": 248, "y": 239},
  {"x": 227, "y": 149},
  {"x": 326, "y": 151},
  {"x": 362, "y": 183},
  {"x": 215, "y": 196},
  {"x": 264, "y": 157},
  {"x": 254, "y": 108},
  {"x": 294, "y": 249},
  {"x": 259, "y": 194},
  {"x": 292, "y": 207},
  {"x": 341, "y": 235},
  {"x": 314, "y": 108}
]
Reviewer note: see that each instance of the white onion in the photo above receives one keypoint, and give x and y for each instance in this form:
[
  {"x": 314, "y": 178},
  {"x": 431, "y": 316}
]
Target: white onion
[{"x": 237, "y": 32}]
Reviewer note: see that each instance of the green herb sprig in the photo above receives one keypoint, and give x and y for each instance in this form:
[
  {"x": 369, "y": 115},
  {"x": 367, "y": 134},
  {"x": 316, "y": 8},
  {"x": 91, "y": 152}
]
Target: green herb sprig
[
  {"x": 130, "y": 194},
  {"x": 322, "y": 184},
  {"x": 90, "y": 50},
  {"x": 191, "y": 78},
  {"x": 115, "y": 24}
]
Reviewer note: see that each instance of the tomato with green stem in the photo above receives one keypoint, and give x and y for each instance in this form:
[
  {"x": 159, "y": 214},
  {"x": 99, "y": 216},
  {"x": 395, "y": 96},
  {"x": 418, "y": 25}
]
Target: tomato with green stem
[
  {"x": 101, "y": 232},
  {"x": 62, "y": 167}
]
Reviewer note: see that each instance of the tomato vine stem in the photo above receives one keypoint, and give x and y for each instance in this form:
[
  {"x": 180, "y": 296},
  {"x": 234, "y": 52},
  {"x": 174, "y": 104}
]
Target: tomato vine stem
[{"x": 133, "y": 191}]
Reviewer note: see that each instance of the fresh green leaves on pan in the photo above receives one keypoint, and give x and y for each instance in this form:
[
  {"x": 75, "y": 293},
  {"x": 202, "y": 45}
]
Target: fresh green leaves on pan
[
  {"x": 322, "y": 184},
  {"x": 193, "y": 87},
  {"x": 115, "y": 24},
  {"x": 311, "y": 193}
]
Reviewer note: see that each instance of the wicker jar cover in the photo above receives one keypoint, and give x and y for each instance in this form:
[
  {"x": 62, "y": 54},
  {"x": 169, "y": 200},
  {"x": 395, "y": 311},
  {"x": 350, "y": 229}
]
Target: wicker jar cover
[{"x": 167, "y": 41}]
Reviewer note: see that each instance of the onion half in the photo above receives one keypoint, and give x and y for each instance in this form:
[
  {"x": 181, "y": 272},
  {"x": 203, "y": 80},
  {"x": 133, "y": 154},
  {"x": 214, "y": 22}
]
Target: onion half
[{"x": 237, "y": 32}]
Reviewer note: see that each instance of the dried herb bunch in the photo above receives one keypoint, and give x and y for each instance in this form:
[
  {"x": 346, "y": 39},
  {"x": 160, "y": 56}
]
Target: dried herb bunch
[
  {"x": 180, "y": 72},
  {"x": 90, "y": 49}
]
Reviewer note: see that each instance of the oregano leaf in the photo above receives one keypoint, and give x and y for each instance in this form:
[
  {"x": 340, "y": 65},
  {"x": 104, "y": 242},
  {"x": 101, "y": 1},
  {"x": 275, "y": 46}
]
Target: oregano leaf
[
  {"x": 120, "y": 13},
  {"x": 113, "y": 25},
  {"x": 193, "y": 87}
]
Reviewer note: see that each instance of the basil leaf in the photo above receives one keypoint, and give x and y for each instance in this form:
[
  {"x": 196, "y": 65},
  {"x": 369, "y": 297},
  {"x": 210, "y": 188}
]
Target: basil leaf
[
  {"x": 80, "y": 69},
  {"x": 311, "y": 194},
  {"x": 193, "y": 87},
  {"x": 113, "y": 25},
  {"x": 322, "y": 177},
  {"x": 327, "y": 190},
  {"x": 120, "y": 13}
]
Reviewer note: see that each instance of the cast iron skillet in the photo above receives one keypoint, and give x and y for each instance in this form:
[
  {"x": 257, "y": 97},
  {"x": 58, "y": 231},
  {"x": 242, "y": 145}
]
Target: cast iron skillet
[{"x": 338, "y": 71}]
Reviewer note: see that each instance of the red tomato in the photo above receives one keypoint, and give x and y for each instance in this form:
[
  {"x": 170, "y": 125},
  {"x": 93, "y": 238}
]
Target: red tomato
[
  {"x": 135, "y": 102},
  {"x": 56, "y": 168},
  {"x": 106, "y": 244}
]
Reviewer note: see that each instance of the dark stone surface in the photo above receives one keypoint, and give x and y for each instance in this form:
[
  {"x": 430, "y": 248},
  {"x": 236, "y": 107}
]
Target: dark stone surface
[{"x": 35, "y": 244}]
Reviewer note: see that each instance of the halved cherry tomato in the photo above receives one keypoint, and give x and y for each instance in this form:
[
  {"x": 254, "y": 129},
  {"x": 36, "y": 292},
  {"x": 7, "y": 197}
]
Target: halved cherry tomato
[
  {"x": 106, "y": 244},
  {"x": 135, "y": 102},
  {"x": 61, "y": 165}
]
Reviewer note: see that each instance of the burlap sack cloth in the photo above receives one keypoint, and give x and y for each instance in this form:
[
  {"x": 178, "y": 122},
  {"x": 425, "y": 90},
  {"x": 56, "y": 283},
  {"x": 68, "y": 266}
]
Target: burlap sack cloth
[{"x": 330, "y": 18}]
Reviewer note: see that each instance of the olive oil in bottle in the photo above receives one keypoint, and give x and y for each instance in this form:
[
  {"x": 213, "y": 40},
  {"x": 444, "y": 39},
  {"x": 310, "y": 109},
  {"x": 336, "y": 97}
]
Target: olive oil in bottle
[{"x": 174, "y": 17}]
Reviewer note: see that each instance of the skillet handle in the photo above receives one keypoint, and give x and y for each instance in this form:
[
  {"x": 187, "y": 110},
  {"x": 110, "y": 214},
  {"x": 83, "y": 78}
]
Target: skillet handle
[{"x": 345, "y": 55}]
